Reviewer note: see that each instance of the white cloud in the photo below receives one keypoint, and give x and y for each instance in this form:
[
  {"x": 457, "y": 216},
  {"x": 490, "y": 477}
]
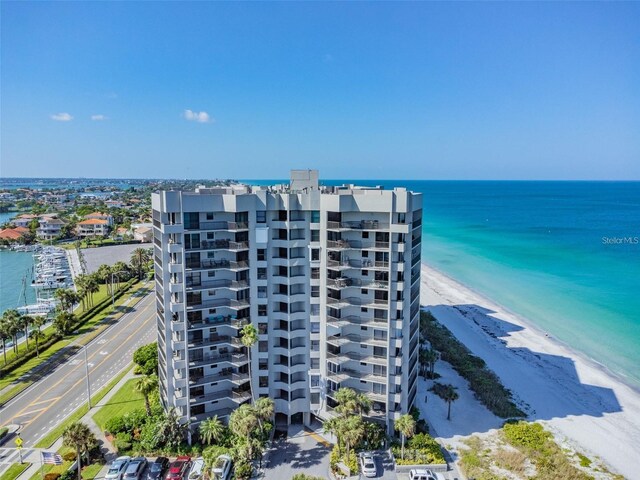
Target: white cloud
[
  {"x": 200, "y": 117},
  {"x": 61, "y": 117},
  {"x": 99, "y": 117}
]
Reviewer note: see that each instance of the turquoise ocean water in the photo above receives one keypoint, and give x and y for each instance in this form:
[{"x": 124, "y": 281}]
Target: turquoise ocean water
[{"x": 549, "y": 252}]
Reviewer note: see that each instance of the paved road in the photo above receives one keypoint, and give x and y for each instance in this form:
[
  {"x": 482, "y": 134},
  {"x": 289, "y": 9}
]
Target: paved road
[{"x": 61, "y": 391}]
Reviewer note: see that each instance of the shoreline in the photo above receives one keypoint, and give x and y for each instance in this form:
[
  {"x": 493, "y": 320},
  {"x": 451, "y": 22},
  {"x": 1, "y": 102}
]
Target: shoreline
[{"x": 573, "y": 395}]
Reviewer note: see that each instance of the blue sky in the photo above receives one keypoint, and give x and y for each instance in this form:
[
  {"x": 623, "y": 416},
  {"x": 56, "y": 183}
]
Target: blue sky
[{"x": 358, "y": 90}]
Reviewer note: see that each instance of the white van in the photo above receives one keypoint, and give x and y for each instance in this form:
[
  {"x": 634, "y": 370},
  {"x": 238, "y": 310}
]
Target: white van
[{"x": 425, "y": 475}]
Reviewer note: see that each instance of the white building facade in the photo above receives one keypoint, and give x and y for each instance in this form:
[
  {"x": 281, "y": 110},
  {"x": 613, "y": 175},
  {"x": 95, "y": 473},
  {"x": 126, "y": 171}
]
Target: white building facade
[{"x": 329, "y": 276}]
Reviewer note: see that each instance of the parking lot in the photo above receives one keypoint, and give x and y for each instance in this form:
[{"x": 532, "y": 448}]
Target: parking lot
[{"x": 301, "y": 452}]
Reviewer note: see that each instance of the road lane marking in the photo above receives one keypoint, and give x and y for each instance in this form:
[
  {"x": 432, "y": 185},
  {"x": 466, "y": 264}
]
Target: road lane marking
[
  {"x": 92, "y": 355},
  {"x": 82, "y": 379},
  {"x": 32, "y": 411},
  {"x": 45, "y": 401}
]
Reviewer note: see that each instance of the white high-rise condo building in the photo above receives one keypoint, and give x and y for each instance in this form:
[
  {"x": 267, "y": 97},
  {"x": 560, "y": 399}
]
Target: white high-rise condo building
[{"x": 328, "y": 275}]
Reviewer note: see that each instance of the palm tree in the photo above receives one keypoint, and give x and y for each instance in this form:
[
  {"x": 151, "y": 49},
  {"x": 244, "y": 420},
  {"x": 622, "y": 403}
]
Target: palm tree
[
  {"x": 36, "y": 333},
  {"x": 170, "y": 432},
  {"x": 243, "y": 422},
  {"x": 249, "y": 337},
  {"x": 92, "y": 286},
  {"x": 63, "y": 322},
  {"x": 333, "y": 426},
  {"x": 25, "y": 321},
  {"x": 67, "y": 298},
  {"x": 211, "y": 429},
  {"x": 146, "y": 385},
  {"x": 406, "y": 425},
  {"x": 103, "y": 273},
  {"x": 352, "y": 431},
  {"x": 79, "y": 436},
  {"x": 450, "y": 395},
  {"x": 264, "y": 409},
  {"x": 139, "y": 257},
  {"x": 351, "y": 402},
  {"x": 12, "y": 319},
  {"x": 4, "y": 335},
  {"x": 428, "y": 359}
]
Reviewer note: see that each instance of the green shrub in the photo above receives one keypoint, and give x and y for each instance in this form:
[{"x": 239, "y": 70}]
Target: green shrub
[
  {"x": 483, "y": 382},
  {"x": 3, "y": 432},
  {"x": 115, "y": 425},
  {"x": 304, "y": 476},
  {"x": 243, "y": 471},
  {"x": 69, "y": 456},
  {"x": 421, "y": 449},
  {"x": 146, "y": 357},
  {"x": 52, "y": 476},
  {"x": 531, "y": 436}
]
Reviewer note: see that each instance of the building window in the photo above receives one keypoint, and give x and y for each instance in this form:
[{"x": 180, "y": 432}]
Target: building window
[
  {"x": 263, "y": 382},
  {"x": 262, "y": 310},
  {"x": 262, "y": 273},
  {"x": 315, "y": 216},
  {"x": 209, "y": 215},
  {"x": 315, "y": 397},
  {"x": 315, "y": 235},
  {"x": 401, "y": 218},
  {"x": 315, "y": 290},
  {"x": 315, "y": 309},
  {"x": 261, "y": 216},
  {"x": 211, "y": 254},
  {"x": 262, "y": 328},
  {"x": 315, "y": 363},
  {"x": 263, "y": 364},
  {"x": 315, "y": 345},
  {"x": 262, "y": 254},
  {"x": 315, "y": 327},
  {"x": 211, "y": 273},
  {"x": 365, "y": 234},
  {"x": 263, "y": 346},
  {"x": 315, "y": 380},
  {"x": 262, "y": 292},
  {"x": 210, "y": 236},
  {"x": 315, "y": 254},
  {"x": 379, "y": 389}
]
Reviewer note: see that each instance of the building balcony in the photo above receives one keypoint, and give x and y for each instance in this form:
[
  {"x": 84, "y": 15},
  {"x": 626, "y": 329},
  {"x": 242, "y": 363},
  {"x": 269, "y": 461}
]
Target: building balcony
[
  {"x": 342, "y": 283},
  {"x": 235, "y": 378},
  {"x": 365, "y": 263},
  {"x": 218, "y": 320},
  {"x": 190, "y": 285},
  {"x": 340, "y": 340},
  {"x": 220, "y": 412},
  {"x": 215, "y": 340},
  {"x": 339, "y": 358},
  {"x": 175, "y": 267},
  {"x": 358, "y": 225},
  {"x": 347, "y": 374},
  {"x": 219, "y": 245},
  {"x": 235, "y": 359},
  {"x": 238, "y": 397},
  {"x": 174, "y": 247},
  {"x": 357, "y": 320},
  {"x": 222, "y": 302},
  {"x": 222, "y": 225},
  {"x": 217, "y": 265},
  {"x": 356, "y": 245},
  {"x": 340, "y": 303}
]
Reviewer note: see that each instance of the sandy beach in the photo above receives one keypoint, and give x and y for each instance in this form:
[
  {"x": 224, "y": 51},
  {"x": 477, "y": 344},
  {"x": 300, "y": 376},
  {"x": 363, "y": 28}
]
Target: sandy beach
[{"x": 577, "y": 399}]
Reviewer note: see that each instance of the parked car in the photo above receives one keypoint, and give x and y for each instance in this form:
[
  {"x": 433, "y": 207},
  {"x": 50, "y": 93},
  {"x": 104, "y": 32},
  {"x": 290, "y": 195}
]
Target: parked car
[
  {"x": 135, "y": 469},
  {"x": 197, "y": 469},
  {"x": 222, "y": 468},
  {"x": 368, "y": 465},
  {"x": 157, "y": 468},
  {"x": 178, "y": 469},
  {"x": 424, "y": 474},
  {"x": 117, "y": 468}
]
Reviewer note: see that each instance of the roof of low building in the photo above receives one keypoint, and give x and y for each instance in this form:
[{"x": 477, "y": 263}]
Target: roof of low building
[
  {"x": 11, "y": 234},
  {"x": 93, "y": 221}
]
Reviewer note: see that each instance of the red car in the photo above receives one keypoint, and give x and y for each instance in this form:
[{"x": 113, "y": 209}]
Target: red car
[{"x": 178, "y": 469}]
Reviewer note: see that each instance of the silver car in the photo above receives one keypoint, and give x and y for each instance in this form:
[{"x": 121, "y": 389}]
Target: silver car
[
  {"x": 368, "y": 465},
  {"x": 135, "y": 469},
  {"x": 117, "y": 468}
]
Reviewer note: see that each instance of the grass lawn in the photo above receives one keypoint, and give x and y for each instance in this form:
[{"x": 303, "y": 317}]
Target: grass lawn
[
  {"x": 88, "y": 332},
  {"x": 15, "y": 470},
  {"x": 124, "y": 401},
  {"x": 80, "y": 412}
]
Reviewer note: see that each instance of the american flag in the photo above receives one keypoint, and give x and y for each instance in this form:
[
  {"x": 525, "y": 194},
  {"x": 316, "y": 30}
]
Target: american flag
[{"x": 51, "y": 457}]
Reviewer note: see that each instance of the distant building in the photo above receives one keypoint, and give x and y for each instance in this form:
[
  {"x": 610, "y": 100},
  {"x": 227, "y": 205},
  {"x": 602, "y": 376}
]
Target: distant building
[
  {"x": 92, "y": 228},
  {"x": 13, "y": 234},
  {"x": 24, "y": 220},
  {"x": 143, "y": 234},
  {"x": 100, "y": 216},
  {"x": 50, "y": 228}
]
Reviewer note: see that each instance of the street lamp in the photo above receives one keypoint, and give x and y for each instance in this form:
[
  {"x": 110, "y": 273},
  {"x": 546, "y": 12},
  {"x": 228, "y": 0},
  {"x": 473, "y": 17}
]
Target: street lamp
[
  {"x": 113, "y": 302},
  {"x": 86, "y": 371}
]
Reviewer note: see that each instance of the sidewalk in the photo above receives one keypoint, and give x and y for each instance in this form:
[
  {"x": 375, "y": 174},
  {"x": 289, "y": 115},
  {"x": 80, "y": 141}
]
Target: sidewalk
[
  {"x": 107, "y": 449},
  {"x": 74, "y": 263}
]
